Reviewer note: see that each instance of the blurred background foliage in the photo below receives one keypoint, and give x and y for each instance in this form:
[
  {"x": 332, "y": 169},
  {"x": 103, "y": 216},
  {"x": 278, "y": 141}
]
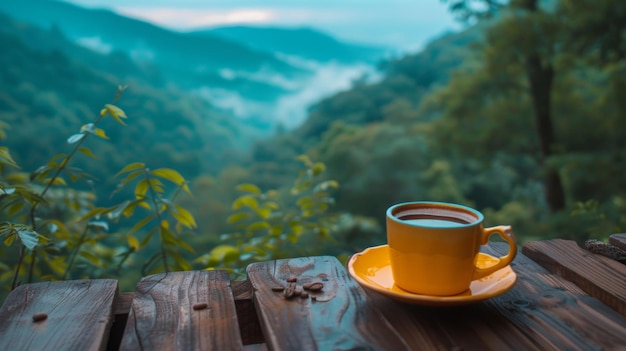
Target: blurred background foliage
[{"x": 522, "y": 115}]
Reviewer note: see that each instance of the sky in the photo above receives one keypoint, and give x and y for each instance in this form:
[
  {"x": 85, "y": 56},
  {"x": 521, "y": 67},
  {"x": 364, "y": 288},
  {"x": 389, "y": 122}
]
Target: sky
[{"x": 403, "y": 24}]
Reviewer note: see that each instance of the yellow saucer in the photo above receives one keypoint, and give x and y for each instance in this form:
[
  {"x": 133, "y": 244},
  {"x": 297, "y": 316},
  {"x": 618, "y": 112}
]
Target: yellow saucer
[{"x": 372, "y": 269}]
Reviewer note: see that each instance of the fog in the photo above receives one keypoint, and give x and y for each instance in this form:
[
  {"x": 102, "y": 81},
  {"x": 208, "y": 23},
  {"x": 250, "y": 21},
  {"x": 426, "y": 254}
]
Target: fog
[{"x": 291, "y": 109}]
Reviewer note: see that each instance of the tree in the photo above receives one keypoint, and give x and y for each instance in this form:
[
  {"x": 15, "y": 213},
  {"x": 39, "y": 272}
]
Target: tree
[
  {"x": 537, "y": 43},
  {"x": 522, "y": 36}
]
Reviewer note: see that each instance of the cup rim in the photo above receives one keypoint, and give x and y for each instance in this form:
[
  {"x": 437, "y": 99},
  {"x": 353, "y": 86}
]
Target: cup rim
[{"x": 479, "y": 216}]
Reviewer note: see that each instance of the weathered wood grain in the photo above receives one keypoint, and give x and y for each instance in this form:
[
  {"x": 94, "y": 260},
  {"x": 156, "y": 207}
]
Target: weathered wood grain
[
  {"x": 342, "y": 318},
  {"x": 79, "y": 315},
  {"x": 618, "y": 240},
  {"x": 598, "y": 276},
  {"x": 163, "y": 316},
  {"x": 249, "y": 326},
  {"x": 542, "y": 312}
]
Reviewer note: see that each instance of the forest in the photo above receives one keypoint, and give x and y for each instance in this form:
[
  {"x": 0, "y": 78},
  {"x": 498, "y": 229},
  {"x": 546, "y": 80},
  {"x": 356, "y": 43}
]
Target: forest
[{"x": 522, "y": 115}]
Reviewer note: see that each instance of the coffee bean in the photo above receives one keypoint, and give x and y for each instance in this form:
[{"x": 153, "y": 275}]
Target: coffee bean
[
  {"x": 304, "y": 294},
  {"x": 278, "y": 288},
  {"x": 306, "y": 286},
  {"x": 317, "y": 286},
  {"x": 292, "y": 279},
  {"x": 40, "y": 316},
  {"x": 290, "y": 291},
  {"x": 200, "y": 306},
  {"x": 323, "y": 298}
]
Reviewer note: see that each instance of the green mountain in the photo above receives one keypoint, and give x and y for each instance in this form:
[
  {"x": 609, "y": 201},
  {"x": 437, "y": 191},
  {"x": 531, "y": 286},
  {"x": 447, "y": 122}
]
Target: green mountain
[
  {"x": 144, "y": 41},
  {"x": 252, "y": 82},
  {"x": 46, "y": 95},
  {"x": 190, "y": 62},
  {"x": 301, "y": 42}
]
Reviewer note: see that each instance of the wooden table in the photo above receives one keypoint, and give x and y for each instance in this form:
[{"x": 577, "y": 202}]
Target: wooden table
[{"x": 565, "y": 298}]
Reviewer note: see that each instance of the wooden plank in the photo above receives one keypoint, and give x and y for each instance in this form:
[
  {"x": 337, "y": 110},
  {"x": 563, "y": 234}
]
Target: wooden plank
[
  {"x": 542, "y": 312},
  {"x": 123, "y": 302},
  {"x": 165, "y": 316},
  {"x": 78, "y": 315},
  {"x": 618, "y": 240},
  {"x": 599, "y": 276},
  {"x": 341, "y": 318}
]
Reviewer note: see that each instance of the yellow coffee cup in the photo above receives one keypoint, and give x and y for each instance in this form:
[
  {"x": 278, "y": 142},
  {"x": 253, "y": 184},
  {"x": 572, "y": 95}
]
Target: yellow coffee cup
[{"x": 434, "y": 246}]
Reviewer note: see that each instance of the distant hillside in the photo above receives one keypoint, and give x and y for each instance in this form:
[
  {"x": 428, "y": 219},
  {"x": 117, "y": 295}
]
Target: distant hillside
[
  {"x": 302, "y": 42},
  {"x": 227, "y": 72},
  {"x": 46, "y": 96},
  {"x": 105, "y": 30},
  {"x": 261, "y": 87}
]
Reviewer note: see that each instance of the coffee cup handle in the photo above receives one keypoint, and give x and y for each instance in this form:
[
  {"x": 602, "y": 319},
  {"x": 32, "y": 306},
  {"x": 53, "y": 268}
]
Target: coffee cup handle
[{"x": 507, "y": 234}]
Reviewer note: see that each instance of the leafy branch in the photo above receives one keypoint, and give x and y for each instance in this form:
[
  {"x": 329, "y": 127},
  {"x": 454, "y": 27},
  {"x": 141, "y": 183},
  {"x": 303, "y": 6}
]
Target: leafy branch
[
  {"x": 273, "y": 225},
  {"x": 150, "y": 194},
  {"x": 14, "y": 197}
]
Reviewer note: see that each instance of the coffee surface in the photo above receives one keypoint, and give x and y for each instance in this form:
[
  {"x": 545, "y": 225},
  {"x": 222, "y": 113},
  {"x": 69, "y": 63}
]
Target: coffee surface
[
  {"x": 433, "y": 222},
  {"x": 434, "y": 216}
]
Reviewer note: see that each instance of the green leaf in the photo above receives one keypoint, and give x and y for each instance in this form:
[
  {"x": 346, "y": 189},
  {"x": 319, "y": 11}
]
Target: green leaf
[
  {"x": 296, "y": 228},
  {"x": 245, "y": 200},
  {"x": 148, "y": 236},
  {"x": 129, "y": 178},
  {"x": 305, "y": 203},
  {"x": 304, "y": 159},
  {"x": 140, "y": 224},
  {"x": 271, "y": 194},
  {"x": 271, "y": 205},
  {"x": 180, "y": 261},
  {"x": 28, "y": 237},
  {"x": 101, "y": 133},
  {"x": 131, "y": 167},
  {"x": 258, "y": 226},
  {"x": 15, "y": 209},
  {"x": 250, "y": 188},
  {"x": 133, "y": 243},
  {"x": 223, "y": 253},
  {"x": 91, "y": 258},
  {"x": 237, "y": 217},
  {"x": 263, "y": 212},
  {"x": 75, "y": 138},
  {"x": 116, "y": 211},
  {"x": 95, "y": 212},
  {"x": 55, "y": 181},
  {"x": 5, "y": 157},
  {"x": 141, "y": 189},
  {"x": 86, "y": 151},
  {"x": 145, "y": 205},
  {"x": 173, "y": 176},
  {"x": 276, "y": 231},
  {"x": 184, "y": 217},
  {"x": 115, "y": 112},
  {"x": 318, "y": 168},
  {"x": 156, "y": 185},
  {"x": 9, "y": 239},
  {"x": 166, "y": 235},
  {"x": 185, "y": 246}
]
